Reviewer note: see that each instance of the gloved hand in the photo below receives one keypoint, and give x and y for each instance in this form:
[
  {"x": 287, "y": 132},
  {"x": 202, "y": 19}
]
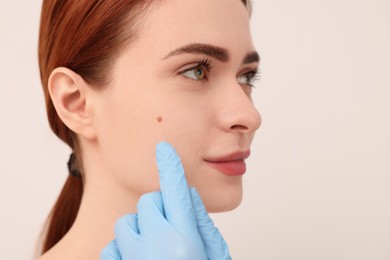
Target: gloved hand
[{"x": 170, "y": 225}]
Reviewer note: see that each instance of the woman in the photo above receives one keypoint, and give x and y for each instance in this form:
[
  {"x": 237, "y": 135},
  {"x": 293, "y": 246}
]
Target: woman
[{"x": 121, "y": 76}]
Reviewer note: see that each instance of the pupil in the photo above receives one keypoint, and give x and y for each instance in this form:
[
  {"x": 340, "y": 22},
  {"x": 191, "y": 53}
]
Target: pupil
[{"x": 199, "y": 73}]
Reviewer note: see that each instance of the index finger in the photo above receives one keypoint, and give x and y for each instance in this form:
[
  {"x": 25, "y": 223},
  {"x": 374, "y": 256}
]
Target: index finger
[{"x": 176, "y": 195}]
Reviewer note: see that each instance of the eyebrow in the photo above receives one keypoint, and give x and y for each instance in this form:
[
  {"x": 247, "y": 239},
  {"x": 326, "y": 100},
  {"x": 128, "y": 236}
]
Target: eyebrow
[
  {"x": 216, "y": 52},
  {"x": 251, "y": 57}
]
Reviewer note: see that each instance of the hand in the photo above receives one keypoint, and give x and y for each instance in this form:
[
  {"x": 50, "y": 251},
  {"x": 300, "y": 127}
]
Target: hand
[{"x": 170, "y": 225}]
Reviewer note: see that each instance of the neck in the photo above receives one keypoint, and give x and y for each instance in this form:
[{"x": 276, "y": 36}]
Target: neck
[{"x": 103, "y": 203}]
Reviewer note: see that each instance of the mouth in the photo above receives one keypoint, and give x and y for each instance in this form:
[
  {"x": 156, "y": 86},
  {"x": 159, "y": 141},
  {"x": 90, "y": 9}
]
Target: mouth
[{"x": 231, "y": 165}]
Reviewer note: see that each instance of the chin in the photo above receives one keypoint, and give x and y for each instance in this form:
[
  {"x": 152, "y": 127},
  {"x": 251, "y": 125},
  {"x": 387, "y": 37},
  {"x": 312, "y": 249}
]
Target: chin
[
  {"x": 223, "y": 203},
  {"x": 219, "y": 193}
]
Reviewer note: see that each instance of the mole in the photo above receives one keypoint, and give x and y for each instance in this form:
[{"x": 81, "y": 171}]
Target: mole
[{"x": 159, "y": 119}]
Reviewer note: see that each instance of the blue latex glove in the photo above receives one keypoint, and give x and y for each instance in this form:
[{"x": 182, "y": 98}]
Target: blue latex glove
[{"x": 170, "y": 225}]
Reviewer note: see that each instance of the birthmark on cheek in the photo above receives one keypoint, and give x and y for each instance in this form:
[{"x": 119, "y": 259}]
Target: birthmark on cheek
[{"x": 159, "y": 119}]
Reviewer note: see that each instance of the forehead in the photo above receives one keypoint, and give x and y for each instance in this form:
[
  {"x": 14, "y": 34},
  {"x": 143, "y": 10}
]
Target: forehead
[{"x": 174, "y": 23}]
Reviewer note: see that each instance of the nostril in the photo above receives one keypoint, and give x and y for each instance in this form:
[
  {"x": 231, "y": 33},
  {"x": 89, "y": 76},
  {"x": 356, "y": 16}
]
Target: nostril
[{"x": 239, "y": 127}]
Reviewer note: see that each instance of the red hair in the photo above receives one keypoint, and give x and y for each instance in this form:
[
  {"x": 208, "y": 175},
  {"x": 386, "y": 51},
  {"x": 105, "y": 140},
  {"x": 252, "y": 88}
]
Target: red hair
[{"x": 86, "y": 37}]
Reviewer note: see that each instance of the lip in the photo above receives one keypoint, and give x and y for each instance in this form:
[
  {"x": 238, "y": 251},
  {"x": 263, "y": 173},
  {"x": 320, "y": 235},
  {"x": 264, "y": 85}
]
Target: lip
[{"x": 232, "y": 164}]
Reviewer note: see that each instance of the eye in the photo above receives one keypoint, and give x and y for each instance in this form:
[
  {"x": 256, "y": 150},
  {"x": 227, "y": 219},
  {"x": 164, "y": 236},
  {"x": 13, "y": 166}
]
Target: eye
[
  {"x": 249, "y": 78},
  {"x": 198, "y": 72}
]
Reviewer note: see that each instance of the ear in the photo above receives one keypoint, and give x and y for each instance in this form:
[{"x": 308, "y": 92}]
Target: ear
[{"x": 70, "y": 96}]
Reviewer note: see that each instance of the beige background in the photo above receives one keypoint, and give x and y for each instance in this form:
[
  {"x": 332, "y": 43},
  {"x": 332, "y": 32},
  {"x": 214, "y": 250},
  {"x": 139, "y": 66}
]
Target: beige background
[{"x": 318, "y": 180}]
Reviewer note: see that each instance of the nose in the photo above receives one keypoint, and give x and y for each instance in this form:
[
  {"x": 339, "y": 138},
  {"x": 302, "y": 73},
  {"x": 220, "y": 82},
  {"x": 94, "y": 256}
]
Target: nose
[{"x": 237, "y": 111}]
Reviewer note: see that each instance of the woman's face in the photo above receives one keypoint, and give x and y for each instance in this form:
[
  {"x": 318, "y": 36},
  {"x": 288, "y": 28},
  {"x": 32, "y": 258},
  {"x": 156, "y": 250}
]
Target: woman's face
[{"x": 185, "y": 80}]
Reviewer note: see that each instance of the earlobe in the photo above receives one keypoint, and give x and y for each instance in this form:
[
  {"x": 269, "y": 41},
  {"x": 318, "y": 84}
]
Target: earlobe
[{"x": 69, "y": 94}]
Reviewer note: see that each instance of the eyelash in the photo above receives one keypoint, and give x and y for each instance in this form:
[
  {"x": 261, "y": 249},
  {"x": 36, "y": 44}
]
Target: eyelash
[
  {"x": 253, "y": 75},
  {"x": 205, "y": 64}
]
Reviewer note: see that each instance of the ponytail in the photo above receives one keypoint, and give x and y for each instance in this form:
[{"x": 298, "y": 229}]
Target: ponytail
[{"x": 64, "y": 211}]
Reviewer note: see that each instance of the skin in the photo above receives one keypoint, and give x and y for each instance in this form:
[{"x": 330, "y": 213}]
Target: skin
[{"x": 150, "y": 100}]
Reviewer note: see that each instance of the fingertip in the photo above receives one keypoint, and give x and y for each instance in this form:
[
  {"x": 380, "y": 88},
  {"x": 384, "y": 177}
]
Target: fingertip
[
  {"x": 110, "y": 252},
  {"x": 150, "y": 203},
  {"x": 170, "y": 168},
  {"x": 163, "y": 145},
  {"x": 163, "y": 151},
  {"x": 151, "y": 198},
  {"x": 127, "y": 223}
]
